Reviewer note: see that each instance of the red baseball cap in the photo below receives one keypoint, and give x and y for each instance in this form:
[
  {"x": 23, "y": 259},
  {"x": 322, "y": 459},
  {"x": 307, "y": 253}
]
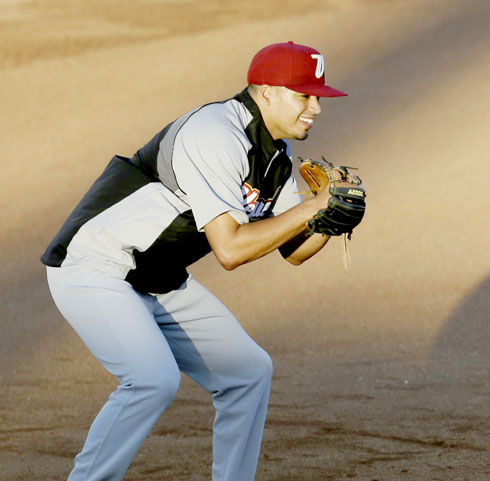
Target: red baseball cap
[{"x": 296, "y": 67}]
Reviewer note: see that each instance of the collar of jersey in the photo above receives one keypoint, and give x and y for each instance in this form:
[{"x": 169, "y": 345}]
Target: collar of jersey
[{"x": 257, "y": 131}]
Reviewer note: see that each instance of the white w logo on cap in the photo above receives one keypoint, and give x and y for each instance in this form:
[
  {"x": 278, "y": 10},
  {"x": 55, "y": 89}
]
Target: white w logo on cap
[{"x": 320, "y": 64}]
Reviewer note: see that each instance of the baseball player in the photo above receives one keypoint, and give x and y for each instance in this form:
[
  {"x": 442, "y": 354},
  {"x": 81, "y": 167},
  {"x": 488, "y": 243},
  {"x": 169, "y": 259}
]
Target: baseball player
[{"x": 219, "y": 178}]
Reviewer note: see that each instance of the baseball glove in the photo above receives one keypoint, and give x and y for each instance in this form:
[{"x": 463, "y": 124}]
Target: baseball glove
[{"x": 347, "y": 203}]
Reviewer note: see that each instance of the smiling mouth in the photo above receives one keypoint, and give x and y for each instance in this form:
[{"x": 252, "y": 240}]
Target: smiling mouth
[{"x": 306, "y": 120}]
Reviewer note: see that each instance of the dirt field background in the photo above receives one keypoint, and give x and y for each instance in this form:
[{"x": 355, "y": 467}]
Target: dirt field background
[{"x": 381, "y": 370}]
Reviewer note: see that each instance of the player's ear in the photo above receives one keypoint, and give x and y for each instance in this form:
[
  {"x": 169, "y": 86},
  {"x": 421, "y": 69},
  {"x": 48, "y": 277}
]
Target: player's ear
[{"x": 266, "y": 93}]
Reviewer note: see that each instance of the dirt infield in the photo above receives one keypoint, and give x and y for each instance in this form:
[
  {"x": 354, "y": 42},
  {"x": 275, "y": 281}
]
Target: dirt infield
[{"x": 381, "y": 370}]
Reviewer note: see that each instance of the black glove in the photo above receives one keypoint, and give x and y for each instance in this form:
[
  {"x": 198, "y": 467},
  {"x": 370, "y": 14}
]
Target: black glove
[{"x": 345, "y": 210}]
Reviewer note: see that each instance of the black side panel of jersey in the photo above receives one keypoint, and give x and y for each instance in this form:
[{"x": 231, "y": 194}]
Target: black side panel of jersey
[
  {"x": 146, "y": 157},
  {"x": 159, "y": 269},
  {"x": 276, "y": 176},
  {"x": 119, "y": 180},
  {"x": 266, "y": 175},
  {"x": 264, "y": 147}
]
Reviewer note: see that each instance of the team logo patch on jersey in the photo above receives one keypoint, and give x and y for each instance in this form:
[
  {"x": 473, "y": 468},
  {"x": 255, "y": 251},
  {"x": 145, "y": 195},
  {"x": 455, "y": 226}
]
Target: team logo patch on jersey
[{"x": 255, "y": 207}]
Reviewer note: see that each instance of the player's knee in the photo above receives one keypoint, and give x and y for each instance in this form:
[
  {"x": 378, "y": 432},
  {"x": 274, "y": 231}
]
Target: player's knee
[
  {"x": 261, "y": 366},
  {"x": 166, "y": 386},
  {"x": 159, "y": 387}
]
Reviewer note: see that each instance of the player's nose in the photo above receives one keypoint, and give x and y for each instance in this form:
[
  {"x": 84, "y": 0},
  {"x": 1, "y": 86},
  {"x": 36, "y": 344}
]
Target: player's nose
[{"x": 314, "y": 105}]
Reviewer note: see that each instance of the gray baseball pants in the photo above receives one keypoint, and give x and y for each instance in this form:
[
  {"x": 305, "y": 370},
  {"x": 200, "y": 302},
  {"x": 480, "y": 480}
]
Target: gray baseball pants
[{"x": 145, "y": 340}]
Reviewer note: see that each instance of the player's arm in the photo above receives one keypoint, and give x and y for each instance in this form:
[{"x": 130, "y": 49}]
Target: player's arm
[
  {"x": 303, "y": 247},
  {"x": 235, "y": 244}
]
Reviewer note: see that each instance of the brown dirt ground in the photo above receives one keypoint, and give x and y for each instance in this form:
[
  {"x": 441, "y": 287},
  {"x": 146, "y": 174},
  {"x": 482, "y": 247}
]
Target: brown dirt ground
[{"x": 381, "y": 370}]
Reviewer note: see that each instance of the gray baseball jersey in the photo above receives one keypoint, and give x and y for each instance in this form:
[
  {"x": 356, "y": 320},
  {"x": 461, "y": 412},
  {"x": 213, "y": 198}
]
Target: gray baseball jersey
[{"x": 143, "y": 218}]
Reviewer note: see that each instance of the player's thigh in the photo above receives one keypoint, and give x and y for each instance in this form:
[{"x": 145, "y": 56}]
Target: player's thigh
[
  {"x": 208, "y": 342},
  {"x": 114, "y": 321}
]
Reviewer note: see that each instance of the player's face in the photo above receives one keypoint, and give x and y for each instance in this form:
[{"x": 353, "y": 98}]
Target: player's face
[{"x": 291, "y": 113}]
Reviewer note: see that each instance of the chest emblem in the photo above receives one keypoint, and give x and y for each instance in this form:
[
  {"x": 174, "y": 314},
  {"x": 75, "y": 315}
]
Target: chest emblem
[{"x": 255, "y": 206}]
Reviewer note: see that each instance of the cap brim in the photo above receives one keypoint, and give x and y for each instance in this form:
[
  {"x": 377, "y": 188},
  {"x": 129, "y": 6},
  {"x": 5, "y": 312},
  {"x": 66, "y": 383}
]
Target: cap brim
[{"x": 317, "y": 90}]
